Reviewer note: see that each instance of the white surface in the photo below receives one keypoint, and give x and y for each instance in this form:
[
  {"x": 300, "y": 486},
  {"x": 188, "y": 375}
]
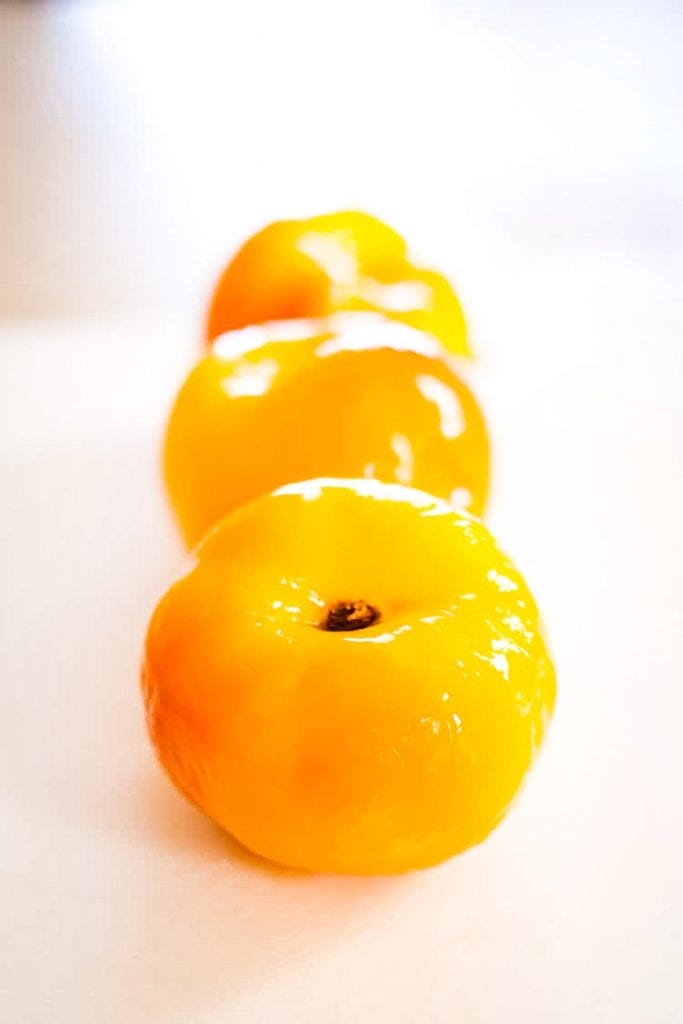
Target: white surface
[
  {"x": 535, "y": 151},
  {"x": 120, "y": 903}
]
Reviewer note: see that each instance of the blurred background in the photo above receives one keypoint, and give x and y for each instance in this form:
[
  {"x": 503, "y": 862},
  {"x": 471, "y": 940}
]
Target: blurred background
[
  {"x": 531, "y": 150},
  {"x": 142, "y": 141}
]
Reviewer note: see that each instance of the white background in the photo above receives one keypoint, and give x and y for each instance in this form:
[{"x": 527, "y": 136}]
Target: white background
[{"x": 534, "y": 151}]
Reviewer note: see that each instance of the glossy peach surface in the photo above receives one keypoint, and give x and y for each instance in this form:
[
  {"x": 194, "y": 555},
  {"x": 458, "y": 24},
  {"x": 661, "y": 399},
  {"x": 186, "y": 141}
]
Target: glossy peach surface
[
  {"x": 343, "y": 261},
  {"x": 371, "y": 750},
  {"x": 353, "y": 396}
]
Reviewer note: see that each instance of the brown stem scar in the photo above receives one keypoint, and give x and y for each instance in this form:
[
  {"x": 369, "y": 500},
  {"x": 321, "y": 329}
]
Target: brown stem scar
[{"x": 343, "y": 616}]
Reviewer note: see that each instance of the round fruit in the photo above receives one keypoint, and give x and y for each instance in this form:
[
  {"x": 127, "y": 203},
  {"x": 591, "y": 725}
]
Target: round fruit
[
  {"x": 342, "y": 261},
  {"x": 352, "y": 396},
  {"x": 351, "y": 678}
]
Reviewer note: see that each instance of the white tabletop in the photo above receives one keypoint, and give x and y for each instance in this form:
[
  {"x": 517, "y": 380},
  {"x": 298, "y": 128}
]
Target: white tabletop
[
  {"x": 534, "y": 150},
  {"x": 121, "y": 903}
]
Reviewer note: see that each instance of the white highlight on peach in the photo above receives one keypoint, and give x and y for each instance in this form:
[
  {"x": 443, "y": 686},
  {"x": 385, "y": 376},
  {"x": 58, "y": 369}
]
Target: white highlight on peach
[{"x": 450, "y": 413}]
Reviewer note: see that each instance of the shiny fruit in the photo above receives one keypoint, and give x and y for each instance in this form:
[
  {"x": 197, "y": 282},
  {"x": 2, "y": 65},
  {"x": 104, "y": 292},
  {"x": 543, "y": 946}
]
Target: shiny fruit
[
  {"x": 350, "y": 678},
  {"x": 352, "y": 396},
  {"x": 343, "y": 261}
]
